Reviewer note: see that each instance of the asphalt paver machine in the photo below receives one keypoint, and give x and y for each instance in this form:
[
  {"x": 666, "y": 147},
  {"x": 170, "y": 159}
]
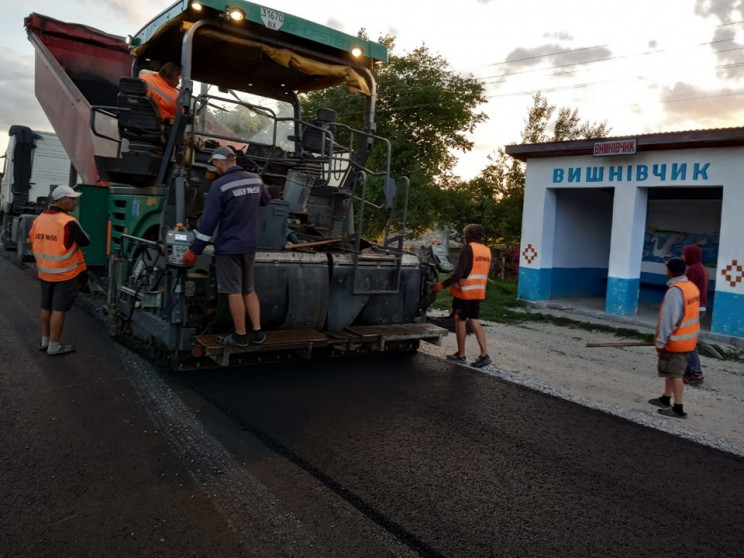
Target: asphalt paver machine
[{"x": 323, "y": 287}]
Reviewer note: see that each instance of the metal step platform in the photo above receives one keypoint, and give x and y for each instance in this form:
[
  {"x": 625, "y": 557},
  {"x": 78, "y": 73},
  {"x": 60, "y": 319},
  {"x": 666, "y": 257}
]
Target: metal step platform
[{"x": 286, "y": 344}]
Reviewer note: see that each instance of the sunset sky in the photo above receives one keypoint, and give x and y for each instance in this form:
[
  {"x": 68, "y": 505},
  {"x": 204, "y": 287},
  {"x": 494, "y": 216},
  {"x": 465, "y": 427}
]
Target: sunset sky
[{"x": 641, "y": 65}]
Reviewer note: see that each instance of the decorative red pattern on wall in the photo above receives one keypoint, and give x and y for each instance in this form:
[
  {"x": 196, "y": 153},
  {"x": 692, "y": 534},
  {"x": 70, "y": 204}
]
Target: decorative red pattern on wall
[
  {"x": 529, "y": 253},
  {"x": 733, "y": 273}
]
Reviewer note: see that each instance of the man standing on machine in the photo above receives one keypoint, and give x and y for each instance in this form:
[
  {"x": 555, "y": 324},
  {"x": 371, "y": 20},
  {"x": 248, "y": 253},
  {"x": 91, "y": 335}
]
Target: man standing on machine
[{"x": 233, "y": 203}]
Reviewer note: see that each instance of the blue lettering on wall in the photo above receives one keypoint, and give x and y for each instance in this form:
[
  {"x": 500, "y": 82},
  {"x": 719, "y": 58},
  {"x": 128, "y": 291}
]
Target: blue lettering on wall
[
  {"x": 641, "y": 173},
  {"x": 660, "y": 171},
  {"x": 700, "y": 173},
  {"x": 679, "y": 172},
  {"x": 631, "y": 173},
  {"x": 594, "y": 174}
]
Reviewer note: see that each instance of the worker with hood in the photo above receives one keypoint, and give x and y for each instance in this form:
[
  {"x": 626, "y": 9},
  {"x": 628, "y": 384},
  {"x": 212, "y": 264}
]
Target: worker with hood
[{"x": 698, "y": 274}]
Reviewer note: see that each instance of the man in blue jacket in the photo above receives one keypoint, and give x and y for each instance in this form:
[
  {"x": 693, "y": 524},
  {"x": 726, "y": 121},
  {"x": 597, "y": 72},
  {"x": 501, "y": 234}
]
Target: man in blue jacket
[{"x": 233, "y": 203}]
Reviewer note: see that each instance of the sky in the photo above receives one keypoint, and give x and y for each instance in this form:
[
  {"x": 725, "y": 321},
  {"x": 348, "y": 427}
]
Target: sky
[{"x": 641, "y": 66}]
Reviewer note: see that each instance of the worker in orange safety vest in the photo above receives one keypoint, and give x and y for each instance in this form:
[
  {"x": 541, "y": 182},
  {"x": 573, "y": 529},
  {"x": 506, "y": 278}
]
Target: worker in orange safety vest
[
  {"x": 676, "y": 335},
  {"x": 162, "y": 88},
  {"x": 56, "y": 238},
  {"x": 468, "y": 287}
]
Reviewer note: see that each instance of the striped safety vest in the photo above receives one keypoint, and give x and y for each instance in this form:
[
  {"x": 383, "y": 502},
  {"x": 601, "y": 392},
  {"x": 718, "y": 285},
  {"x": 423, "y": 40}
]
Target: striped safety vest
[
  {"x": 164, "y": 95},
  {"x": 684, "y": 338},
  {"x": 54, "y": 262},
  {"x": 474, "y": 287}
]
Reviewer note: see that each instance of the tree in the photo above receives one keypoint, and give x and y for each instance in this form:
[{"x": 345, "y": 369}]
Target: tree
[
  {"x": 497, "y": 193},
  {"x": 426, "y": 111},
  {"x": 567, "y": 126}
]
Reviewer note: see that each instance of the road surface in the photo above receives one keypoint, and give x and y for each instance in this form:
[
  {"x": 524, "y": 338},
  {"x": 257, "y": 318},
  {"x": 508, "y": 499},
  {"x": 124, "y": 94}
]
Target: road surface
[{"x": 104, "y": 454}]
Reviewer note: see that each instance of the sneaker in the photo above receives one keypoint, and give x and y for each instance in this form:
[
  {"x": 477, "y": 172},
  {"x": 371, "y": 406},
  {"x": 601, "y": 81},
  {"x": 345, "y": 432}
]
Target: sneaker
[
  {"x": 230, "y": 341},
  {"x": 659, "y": 403},
  {"x": 457, "y": 358},
  {"x": 43, "y": 347},
  {"x": 258, "y": 336},
  {"x": 61, "y": 350},
  {"x": 670, "y": 412},
  {"x": 482, "y": 361},
  {"x": 693, "y": 379}
]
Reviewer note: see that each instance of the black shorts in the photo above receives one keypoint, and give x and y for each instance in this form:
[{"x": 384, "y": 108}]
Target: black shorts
[
  {"x": 59, "y": 296},
  {"x": 234, "y": 273},
  {"x": 465, "y": 309}
]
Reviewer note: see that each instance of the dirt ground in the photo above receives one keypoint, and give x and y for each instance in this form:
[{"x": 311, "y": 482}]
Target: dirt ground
[{"x": 556, "y": 360}]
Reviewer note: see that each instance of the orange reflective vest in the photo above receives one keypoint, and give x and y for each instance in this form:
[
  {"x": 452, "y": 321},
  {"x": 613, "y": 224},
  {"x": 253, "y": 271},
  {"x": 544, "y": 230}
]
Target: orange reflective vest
[
  {"x": 164, "y": 95},
  {"x": 54, "y": 262},
  {"x": 684, "y": 338},
  {"x": 474, "y": 287}
]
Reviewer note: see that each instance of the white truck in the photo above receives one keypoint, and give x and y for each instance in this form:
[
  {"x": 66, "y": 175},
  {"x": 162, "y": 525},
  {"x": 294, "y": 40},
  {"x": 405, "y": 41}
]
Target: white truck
[{"x": 34, "y": 163}]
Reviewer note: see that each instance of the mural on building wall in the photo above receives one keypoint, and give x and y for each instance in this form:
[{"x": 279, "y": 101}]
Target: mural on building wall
[{"x": 660, "y": 245}]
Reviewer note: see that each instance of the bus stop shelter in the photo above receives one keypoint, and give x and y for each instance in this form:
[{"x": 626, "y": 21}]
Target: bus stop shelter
[{"x": 601, "y": 217}]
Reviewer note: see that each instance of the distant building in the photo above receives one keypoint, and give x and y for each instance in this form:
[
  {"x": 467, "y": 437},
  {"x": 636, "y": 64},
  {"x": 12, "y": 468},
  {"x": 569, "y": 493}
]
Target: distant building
[{"x": 601, "y": 218}]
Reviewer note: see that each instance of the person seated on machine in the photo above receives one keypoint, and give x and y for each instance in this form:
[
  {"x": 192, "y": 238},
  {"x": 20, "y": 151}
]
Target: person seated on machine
[{"x": 162, "y": 88}]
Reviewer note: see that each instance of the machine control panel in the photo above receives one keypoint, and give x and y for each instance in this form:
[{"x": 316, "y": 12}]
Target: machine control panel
[
  {"x": 177, "y": 242},
  {"x": 441, "y": 258}
]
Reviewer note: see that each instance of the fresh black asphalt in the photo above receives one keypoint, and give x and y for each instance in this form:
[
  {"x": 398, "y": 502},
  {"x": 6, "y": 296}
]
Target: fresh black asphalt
[{"x": 104, "y": 454}]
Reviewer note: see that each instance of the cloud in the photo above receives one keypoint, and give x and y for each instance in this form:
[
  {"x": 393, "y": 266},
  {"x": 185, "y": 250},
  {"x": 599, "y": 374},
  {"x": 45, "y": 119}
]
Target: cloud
[
  {"x": 722, "y": 9},
  {"x": 690, "y": 106},
  {"x": 729, "y": 53},
  {"x": 18, "y": 104},
  {"x": 135, "y": 12},
  {"x": 555, "y": 55},
  {"x": 125, "y": 14},
  {"x": 335, "y": 23},
  {"x": 560, "y": 35}
]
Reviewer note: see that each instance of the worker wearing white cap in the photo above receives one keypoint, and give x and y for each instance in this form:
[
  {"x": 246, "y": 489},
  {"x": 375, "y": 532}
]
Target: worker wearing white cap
[{"x": 56, "y": 238}]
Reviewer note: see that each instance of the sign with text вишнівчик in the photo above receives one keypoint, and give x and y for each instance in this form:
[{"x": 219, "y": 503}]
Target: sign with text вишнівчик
[{"x": 619, "y": 147}]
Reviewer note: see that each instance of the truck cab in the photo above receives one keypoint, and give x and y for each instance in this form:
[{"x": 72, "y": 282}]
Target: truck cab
[{"x": 34, "y": 163}]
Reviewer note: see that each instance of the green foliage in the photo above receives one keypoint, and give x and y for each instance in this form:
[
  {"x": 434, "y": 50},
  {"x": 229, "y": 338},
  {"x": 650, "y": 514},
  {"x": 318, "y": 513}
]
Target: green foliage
[
  {"x": 567, "y": 126},
  {"x": 239, "y": 118},
  {"x": 496, "y": 196},
  {"x": 426, "y": 112}
]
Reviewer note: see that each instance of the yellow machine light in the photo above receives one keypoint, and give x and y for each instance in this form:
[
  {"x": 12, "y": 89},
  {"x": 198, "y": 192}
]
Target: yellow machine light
[
  {"x": 196, "y": 6},
  {"x": 357, "y": 51},
  {"x": 236, "y": 14}
]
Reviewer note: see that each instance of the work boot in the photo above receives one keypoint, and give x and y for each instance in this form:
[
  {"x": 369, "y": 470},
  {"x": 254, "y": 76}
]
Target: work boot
[
  {"x": 482, "y": 361},
  {"x": 258, "y": 336},
  {"x": 457, "y": 358}
]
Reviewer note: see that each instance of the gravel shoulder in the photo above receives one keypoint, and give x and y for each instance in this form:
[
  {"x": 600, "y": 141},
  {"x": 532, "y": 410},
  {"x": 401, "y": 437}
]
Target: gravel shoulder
[{"x": 555, "y": 360}]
